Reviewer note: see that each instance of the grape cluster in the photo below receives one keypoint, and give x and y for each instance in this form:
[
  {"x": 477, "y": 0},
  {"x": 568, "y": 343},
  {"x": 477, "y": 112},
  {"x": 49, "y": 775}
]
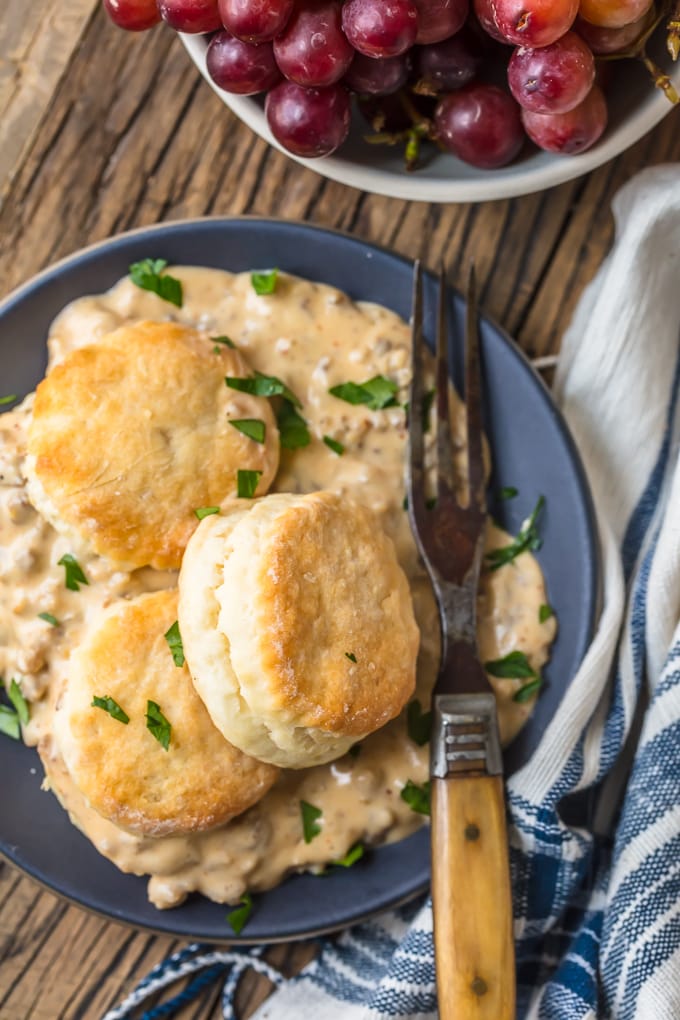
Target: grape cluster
[{"x": 473, "y": 76}]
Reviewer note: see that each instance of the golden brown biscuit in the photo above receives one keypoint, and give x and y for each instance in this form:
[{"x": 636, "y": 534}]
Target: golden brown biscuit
[
  {"x": 122, "y": 770},
  {"x": 132, "y": 434},
  {"x": 298, "y": 626}
]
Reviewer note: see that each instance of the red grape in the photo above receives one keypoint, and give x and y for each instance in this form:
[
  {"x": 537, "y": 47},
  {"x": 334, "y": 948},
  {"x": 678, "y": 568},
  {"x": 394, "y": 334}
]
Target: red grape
[
  {"x": 191, "y": 16},
  {"x": 552, "y": 79},
  {"x": 380, "y": 28},
  {"x": 255, "y": 20},
  {"x": 241, "y": 67},
  {"x": 369, "y": 76},
  {"x": 313, "y": 50},
  {"x": 534, "y": 22},
  {"x": 613, "y": 13},
  {"x": 487, "y": 19},
  {"x": 449, "y": 64},
  {"x": 308, "y": 122},
  {"x": 612, "y": 40},
  {"x": 133, "y": 15},
  {"x": 439, "y": 19},
  {"x": 572, "y": 132},
  {"x": 481, "y": 125}
]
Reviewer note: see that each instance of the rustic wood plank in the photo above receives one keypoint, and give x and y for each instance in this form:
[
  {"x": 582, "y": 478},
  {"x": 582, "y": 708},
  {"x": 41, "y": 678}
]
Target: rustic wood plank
[{"x": 36, "y": 46}]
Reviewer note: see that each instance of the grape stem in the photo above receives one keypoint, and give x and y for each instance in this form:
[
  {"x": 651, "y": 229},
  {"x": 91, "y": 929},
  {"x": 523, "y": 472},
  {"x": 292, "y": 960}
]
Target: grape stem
[
  {"x": 638, "y": 49},
  {"x": 673, "y": 28}
]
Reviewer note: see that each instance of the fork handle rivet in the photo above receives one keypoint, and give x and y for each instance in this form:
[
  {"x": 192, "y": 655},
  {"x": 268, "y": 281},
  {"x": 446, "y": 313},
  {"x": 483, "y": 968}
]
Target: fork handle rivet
[
  {"x": 472, "y": 833},
  {"x": 479, "y": 986}
]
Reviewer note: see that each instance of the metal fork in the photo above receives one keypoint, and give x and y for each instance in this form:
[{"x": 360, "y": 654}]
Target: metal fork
[{"x": 474, "y": 952}]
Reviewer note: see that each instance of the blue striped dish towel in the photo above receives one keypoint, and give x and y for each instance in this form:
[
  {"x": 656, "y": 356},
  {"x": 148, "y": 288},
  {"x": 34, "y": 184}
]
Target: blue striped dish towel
[{"x": 597, "y": 919}]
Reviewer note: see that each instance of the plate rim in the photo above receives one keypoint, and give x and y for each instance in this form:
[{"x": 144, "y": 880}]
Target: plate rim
[{"x": 71, "y": 260}]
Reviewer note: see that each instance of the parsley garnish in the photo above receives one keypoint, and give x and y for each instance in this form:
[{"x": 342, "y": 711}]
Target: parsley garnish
[
  {"x": 74, "y": 572},
  {"x": 514, "y": 666},
  {"x": 262, "y": 386},
  {"x": 147, "y": 276},
  {"x": 238, "y": 917},
  {"x": 334, "y": 445},
  {"x": 111, "y": 706},
  {"x": 417, "y": 797},
  {"x": 508, "y": 492},
  {"x": 418, "y": 723},
  {"x": 157, "y": 724},
  {"x": 206, "y": 511},
  {"x": 351, "y": 857},
  {"x": 528, "y": 538},
  {"x": 351, "y": 656},
  {"x": 174, "y": 639},
  {"x": 376, "y": 393},
  {"x": 246, "y": 483},
  {"x": 425, "y": 408},
  {"x": 9, "y": 723},
  {"x": 19, "y": 702},
  {"x": 48, "y": 618},
  {"x": 293, "y": 431},
  {"x": 309, "y": 814},
  {"x": 528, "y": 690},
  {"x": 254, "y": 428},
  {"x": 227, "y": 341},
  {"x": 264, "y": 283},
  {"x": 8, "y": 399},
  {"x": 545, "y": 612}
]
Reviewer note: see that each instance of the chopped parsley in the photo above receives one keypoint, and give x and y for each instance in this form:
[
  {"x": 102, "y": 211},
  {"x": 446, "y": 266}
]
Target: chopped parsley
[
  {"x": 261, "y": 385},
  {"x": 418, "y": 723},
  {"x": 309, "y": 815},
  {"x": 246, "y": 483},
  {"x": 351, "y": 656},
  {"x": 417, "y": 797},
  {"x": 110, "y": 705},
  {"x": 351, "y": 857},
  {"x": 425, "y": 408},
  {"x": 9, "y": 723},
  {"x": 8, "y": 399},
  {"x": 147, "y": 276},
  {"x": 334, "y": 445},
  {"x": 206, "y": 511},
  {"x": 74, "y": 572},
  {"x": 545, "y": 612},
  {"x": 19, "y": 702},
  {"x": 157, "y": 724},
  {"x": 174, "y": 639},
  {"x": 254, "y": 428},
  {"x": 48, "y": 618},
  {"x": 508, "y": 492},
  {"x": 375, "y": 393},
  {"x": 527, "y": 539},
  {"x": 224, "y": 340},
  {"x": 238, "y": 917},
  {"x": 293, "y": 431},
  {"x": 264, "y": 283},
  {"x": 514, "y": 666},
  {"x": 527, "y": 691}
]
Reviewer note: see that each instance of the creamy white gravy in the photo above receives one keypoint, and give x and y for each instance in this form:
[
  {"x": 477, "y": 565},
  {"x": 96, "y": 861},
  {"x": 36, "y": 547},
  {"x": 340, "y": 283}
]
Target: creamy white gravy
[{"x": 313, "y": 337}]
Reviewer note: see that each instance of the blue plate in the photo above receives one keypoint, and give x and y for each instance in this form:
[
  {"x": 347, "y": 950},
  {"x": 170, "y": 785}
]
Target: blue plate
[{"x": 532, "y": 450}]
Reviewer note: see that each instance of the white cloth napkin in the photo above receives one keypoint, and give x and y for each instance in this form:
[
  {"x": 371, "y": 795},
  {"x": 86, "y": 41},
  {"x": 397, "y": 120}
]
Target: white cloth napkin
[{"x": 597, "y": 921}]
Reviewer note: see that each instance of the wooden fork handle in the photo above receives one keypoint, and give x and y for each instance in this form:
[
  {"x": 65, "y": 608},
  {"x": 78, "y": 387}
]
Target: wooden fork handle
[{"x": 474, "y": 950}]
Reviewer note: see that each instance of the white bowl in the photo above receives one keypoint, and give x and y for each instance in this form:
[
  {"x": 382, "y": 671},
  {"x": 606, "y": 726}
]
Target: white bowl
[{"x": 634, "y": 108}]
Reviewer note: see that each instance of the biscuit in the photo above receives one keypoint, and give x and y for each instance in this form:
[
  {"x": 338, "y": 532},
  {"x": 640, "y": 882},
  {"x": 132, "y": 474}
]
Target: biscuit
[
  {"x": 122, "y": 770},
  {"x": 132, "y": 434},
  {"x": 298, "y": 626}
]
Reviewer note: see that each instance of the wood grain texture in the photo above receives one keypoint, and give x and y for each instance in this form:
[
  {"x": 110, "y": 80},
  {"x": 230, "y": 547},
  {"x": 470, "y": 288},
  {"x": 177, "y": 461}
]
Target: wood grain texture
[
  {"x": 101, "y": 131},
  {"x": 474, "y": 951}
]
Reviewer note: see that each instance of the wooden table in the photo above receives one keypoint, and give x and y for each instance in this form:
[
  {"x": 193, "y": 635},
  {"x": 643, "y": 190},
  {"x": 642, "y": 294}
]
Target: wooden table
[{"x": 101, "y": 131}]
